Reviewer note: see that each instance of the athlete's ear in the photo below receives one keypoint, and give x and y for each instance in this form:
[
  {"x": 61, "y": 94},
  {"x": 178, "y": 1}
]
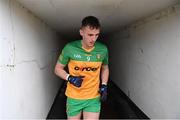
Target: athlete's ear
[{"x": 81, "y": 32}]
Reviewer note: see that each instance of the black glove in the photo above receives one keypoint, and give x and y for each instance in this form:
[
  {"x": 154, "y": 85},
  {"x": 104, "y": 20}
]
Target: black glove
[
  {"x": 75, "y": 80},
  {"x": 103, "y": 92}
]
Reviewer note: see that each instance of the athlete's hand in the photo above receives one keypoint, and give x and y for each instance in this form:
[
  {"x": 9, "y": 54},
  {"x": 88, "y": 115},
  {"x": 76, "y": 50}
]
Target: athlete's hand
[
  {"x": 103, "y": 92},
  {"x": 75, "y": 80}
]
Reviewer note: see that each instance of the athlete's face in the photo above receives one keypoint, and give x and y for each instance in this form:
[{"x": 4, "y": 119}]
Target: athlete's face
[{"x": 89, "y": 36}]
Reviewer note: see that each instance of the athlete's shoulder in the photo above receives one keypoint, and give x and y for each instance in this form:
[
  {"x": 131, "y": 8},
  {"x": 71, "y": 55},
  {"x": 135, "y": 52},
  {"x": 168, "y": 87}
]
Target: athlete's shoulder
[
  {"x": 73, "y": 44},
  {"x": 100, "y": 45},
  {"x": 76, "y": 42}
]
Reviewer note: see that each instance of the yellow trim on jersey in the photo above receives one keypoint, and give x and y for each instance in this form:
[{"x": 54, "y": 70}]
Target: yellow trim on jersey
[{"x": 88, "y": 50}]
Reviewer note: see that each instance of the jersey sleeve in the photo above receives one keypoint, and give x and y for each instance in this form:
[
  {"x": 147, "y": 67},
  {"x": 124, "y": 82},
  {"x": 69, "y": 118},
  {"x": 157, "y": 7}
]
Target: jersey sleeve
[
  {"x": 105, "y": 61},
  {"x": 64, "y": 56}
]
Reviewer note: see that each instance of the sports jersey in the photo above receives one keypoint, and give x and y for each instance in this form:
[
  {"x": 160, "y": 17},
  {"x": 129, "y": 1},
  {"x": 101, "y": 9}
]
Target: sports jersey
[{"x": 84, "y": 63}]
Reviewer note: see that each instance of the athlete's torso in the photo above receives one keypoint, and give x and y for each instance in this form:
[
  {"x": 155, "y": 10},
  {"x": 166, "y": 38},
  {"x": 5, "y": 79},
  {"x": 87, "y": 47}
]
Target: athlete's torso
[{"x": 84, "y": 63}]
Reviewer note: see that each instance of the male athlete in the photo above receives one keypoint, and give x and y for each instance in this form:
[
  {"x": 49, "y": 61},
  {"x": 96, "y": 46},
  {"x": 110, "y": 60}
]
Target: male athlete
[{"x": 87, "y": 79}]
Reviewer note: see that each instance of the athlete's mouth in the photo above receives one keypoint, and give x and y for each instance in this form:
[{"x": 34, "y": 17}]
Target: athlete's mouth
[{"x": 92, "y": 43}]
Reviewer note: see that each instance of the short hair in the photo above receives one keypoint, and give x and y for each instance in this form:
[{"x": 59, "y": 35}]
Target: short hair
[{"x": 91, "y": 21}]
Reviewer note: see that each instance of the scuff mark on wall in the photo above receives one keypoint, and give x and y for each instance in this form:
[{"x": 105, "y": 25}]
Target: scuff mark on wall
[
  {"x": 35, "y": 61},
  {"x": 8, "y": 47},
  {"x": 8, "y": 42},
  {"x": 12, "y": 42},
  {"x": 148, "y": 63},
  {"x": 28, "y": 49}
]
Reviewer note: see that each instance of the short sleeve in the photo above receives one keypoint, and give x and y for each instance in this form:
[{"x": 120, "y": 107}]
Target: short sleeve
[
  {"x": 105, "y": 61},
  {"x": 64, "y": 56}
]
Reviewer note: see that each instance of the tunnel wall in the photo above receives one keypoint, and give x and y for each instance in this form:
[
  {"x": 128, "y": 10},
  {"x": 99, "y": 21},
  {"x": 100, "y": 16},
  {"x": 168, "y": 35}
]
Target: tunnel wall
[
  {"x": 28, "y": 53},
  {"x": 145, "y": 63}
]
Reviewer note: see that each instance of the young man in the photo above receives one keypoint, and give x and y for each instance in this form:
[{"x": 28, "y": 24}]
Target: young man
[{"x": 87, "y": 63}]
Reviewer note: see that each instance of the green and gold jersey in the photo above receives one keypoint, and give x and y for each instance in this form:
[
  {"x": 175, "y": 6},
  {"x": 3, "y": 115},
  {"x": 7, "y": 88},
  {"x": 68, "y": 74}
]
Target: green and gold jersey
[{"x": 84, "y": 63}]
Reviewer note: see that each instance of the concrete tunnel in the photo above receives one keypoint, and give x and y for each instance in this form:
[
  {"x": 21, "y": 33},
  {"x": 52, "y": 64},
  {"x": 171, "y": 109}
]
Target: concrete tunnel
[{"x": 144, "y": 53}]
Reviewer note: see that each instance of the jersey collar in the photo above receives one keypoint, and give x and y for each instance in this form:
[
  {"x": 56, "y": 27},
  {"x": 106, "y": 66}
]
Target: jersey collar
[{"x": 87, "y": 50}]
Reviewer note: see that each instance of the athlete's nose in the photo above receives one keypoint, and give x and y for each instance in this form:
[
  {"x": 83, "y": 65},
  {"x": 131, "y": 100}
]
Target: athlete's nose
[{"x": 93, "y": 39}]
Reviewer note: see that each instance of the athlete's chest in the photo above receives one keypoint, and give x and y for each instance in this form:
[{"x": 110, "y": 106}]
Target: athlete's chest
[{"x": 82, "y": 55}]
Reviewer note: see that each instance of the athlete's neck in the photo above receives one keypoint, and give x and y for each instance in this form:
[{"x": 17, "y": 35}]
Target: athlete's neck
[{"x": 87, "y": 48}]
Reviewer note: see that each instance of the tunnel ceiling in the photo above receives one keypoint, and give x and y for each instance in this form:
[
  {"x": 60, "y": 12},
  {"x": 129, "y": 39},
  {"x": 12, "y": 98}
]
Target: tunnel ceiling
[{"x": 65, "y": 15}]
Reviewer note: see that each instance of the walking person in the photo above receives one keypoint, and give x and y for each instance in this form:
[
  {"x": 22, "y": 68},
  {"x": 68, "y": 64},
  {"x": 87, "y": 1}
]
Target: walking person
[{"x": 87, "y": 79}]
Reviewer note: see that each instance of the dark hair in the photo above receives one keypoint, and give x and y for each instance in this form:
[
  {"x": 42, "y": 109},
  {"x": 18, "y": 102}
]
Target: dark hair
[{"x": 91, "y": 21}]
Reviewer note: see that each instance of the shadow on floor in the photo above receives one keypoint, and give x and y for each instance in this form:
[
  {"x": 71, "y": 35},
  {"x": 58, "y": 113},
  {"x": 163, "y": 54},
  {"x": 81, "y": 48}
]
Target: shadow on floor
[{"x": 118, "y": 106}]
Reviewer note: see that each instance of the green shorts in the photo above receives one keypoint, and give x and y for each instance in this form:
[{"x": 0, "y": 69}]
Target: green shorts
[{"x": 75, "y": 106}]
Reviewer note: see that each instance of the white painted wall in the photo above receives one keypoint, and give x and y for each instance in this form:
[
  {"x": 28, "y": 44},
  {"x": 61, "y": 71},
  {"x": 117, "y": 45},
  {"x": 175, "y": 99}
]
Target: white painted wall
[
  {"x": 145, "y": 63},
  {"x": 28, "y": 53}
]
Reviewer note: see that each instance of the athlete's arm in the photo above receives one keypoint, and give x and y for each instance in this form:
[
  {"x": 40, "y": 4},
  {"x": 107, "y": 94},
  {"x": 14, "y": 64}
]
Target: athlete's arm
[
  {"x": 75, "y": 80},
  {"x": 59, "y": 71},
  {"x": 105, "y": 74},
  {"x": 104, "y": 78}
]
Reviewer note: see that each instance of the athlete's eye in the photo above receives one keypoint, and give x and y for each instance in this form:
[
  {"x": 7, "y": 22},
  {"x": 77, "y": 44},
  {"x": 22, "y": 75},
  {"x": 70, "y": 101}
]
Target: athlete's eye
[
  {"x": 90, "y": 34},
  {"x": 97, "y": 35}
]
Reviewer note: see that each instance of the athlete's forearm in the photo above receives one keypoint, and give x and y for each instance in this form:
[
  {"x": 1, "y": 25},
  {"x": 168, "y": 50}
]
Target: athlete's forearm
[
  {"x": 59, "y": 71},
  {"x": 105, "y": 74}
]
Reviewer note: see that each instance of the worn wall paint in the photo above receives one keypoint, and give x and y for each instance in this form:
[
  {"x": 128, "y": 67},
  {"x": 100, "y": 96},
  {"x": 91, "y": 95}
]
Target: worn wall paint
[
  {"x": 28, "y": 53},
  {"x": 147, "y": 64}
]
